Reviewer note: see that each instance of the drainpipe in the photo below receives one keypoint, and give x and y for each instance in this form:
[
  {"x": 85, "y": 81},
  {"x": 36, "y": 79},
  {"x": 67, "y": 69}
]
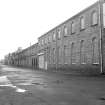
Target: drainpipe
[
  {"x": 101, "y": 45},
  {"x": 56, "y": 52}
]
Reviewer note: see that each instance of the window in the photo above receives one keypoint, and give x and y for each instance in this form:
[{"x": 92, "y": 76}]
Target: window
[
  {"x": 82, "y": 23},
  {"x": 66, "y": 54},
  {"x": 45, "y": 41},
  {"x": 82, "y": 52},
  {"x": 49, "y": 54},
  {"x": 95, "y": 51},
  {"x": 54, "y": 55},
  {"x": 65, "y": 31},
  {"x": 72, "y": 27},
  {"x": 73, "y": 58},
  {"x": 59, "y": 55},
  {"x": 39, "y": 43},
  {"x": 54, "y": 36},
  {"x": 94, "y": 18},
  {"x": 50, "y": 38},
  {"x": 42, "y": 42},
  {"x": 59, "y": 34}
]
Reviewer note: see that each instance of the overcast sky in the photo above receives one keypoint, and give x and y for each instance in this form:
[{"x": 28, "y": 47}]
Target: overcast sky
[{"x": 23, "y": 21}]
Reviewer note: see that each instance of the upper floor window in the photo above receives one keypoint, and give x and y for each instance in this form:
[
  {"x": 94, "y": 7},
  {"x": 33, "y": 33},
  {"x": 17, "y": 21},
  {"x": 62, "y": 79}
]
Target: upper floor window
[
  {"x": 49, "y": 39},
  {"x": 42, "y": 42},
  {"x": 59, "y": 34},
  {"x": 94, "y": 18},
  {"x": 82, "y": 23},
  {"x": 54, "y": 36},
  {"x": 45, "y": 41},
  {"x": 39, "y": 43},
  {"x": 54, "y": 55},
  {"x": 72, "y": 27},
  {"x": 65, "y": 31}
]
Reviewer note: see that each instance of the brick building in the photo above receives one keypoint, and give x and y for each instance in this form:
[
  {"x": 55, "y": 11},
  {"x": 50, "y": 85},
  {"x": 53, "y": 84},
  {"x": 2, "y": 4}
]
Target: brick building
[
  {"x": 25, "y": 58},
  {"x": 75, "y": 45}
]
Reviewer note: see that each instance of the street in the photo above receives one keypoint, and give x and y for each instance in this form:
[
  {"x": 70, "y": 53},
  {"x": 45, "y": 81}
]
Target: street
[{"x": 19, "y": 86}]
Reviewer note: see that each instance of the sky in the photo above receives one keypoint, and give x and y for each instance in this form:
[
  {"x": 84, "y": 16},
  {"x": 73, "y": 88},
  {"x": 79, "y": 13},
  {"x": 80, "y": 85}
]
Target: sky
[{"x": 23, "y": 21}]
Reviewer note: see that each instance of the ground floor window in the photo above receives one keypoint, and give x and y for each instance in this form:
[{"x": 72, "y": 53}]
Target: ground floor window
[
  {"x": 95, "y": 51},
  {"x": 82, "y": 52},
  {"x": 54, "y": 55},
  {"x": 73, "y": 58},
  {"x": 66, "y": 55}
]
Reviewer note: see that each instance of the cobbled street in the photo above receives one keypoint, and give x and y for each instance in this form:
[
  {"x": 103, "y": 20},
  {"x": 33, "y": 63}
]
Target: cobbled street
[{"x": 19, "y": 86}]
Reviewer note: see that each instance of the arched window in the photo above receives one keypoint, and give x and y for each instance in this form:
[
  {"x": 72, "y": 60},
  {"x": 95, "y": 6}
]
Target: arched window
[
  {"x": 50, "y": 38},
  {"x": 95, "y": 51},
  {"x": 94, "y": 18},
  {"x": 54, "y": 36},
  {"x": 82, "y": 52},
  {"x": 59, "y": 34},
  {"x": 72, "y": 27},
  {"x": 82, "y": 23},
  {"x": 65, "y": 30}
]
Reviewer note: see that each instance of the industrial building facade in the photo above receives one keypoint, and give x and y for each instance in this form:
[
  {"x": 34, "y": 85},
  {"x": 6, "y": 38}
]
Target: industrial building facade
[{"x": 75, "y": 45}]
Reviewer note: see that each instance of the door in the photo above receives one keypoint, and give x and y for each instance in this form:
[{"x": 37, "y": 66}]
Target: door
[{"x": 41, "y": 61}]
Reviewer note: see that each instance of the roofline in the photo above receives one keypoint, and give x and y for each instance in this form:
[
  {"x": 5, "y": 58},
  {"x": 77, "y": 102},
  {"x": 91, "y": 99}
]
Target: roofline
[{"x": 70, "y": 18}]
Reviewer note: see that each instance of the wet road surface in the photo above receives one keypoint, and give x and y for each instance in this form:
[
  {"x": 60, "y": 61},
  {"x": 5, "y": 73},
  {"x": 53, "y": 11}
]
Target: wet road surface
[{"x": 29, "y": 87}]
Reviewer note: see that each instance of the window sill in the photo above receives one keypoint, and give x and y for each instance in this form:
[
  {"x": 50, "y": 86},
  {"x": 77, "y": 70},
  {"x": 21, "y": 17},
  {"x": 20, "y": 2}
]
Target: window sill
[
  {"x": 73, "y": 33},
  {"x": 83, "y": 63},
  {"x": 96, "y": 63},
  {"x": 82, "y": 29},
  {"x": 93, "y": 25},
  {"x": 73, "y": 63},
  {"x": 65, "y": 63},
  {"x": 66, "y": 35}
]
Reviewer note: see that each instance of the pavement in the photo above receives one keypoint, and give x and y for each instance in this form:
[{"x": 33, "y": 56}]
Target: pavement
[{"x": 20, "y": 86}]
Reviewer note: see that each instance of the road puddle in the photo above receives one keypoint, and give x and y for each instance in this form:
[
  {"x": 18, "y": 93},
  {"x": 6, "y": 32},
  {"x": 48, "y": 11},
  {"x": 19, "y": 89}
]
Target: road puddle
[
  {"x": 5, "y": 82},
  {"x": 20, "y": 90}
]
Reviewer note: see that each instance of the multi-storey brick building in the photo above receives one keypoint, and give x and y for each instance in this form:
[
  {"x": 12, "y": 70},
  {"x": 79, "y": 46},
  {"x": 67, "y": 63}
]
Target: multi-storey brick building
[
  {"x": 25, "y": 58},
  {"x": 76, "y": 45}
]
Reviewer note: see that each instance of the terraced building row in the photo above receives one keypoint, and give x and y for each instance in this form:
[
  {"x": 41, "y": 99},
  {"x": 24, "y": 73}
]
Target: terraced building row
[{"x": 78, "y": 44}]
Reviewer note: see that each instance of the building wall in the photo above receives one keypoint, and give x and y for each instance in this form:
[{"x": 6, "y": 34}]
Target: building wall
[
  {"x": 102, "y": 31},
  {"x": 26, "y": 58},
  {"x": 78, "y": 49},
  {"x": 75, "y": 45}
]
